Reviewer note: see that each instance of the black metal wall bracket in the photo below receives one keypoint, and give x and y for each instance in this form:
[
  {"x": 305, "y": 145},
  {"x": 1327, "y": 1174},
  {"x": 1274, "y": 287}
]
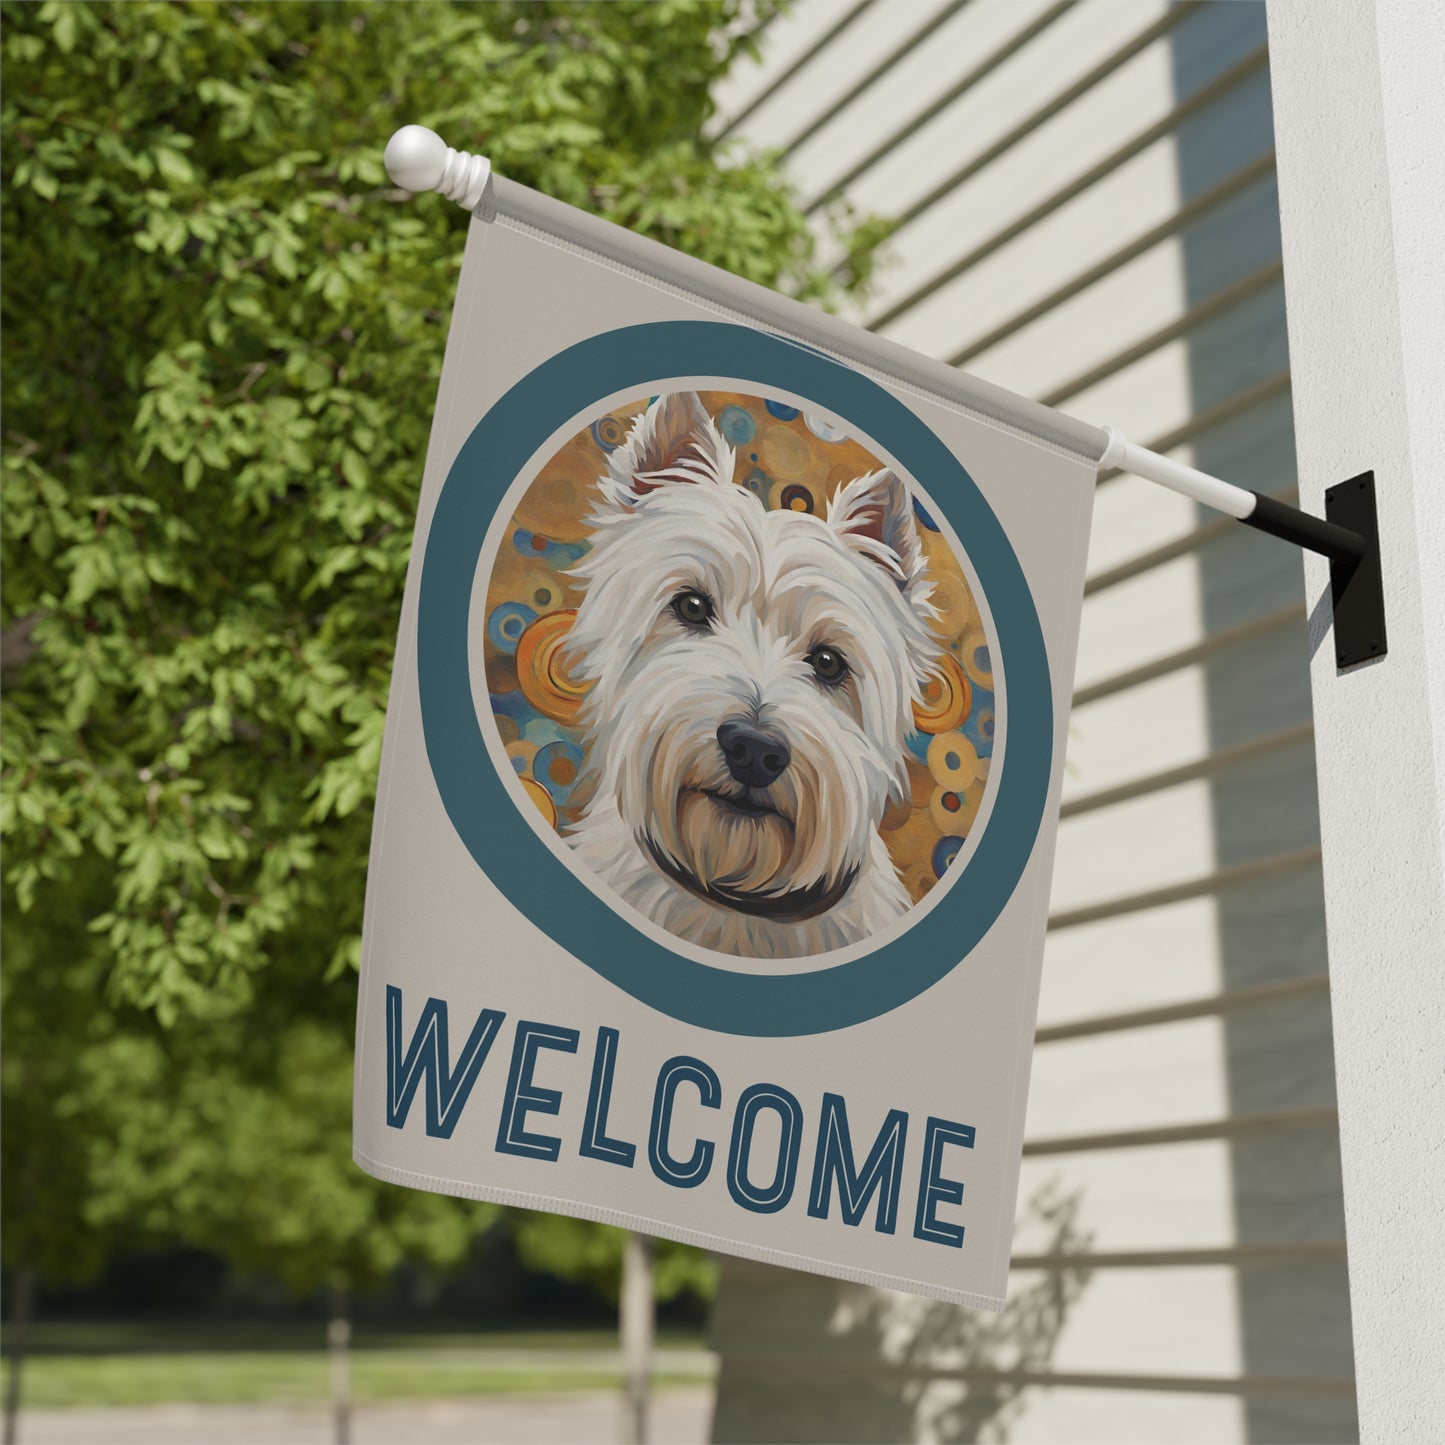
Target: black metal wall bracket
[
  {"x": 1357, "y": 588},
  {"x": 1349, "y": 535}
]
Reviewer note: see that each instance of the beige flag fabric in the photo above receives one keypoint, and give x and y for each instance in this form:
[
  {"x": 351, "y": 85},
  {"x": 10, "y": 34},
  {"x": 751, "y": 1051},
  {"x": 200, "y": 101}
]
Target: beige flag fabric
[{"x": 720, "y": 784}]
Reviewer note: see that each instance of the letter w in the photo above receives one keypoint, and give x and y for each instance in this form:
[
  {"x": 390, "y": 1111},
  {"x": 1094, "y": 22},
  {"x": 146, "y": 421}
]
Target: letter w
[
  {"x": 447, "y": 1089},
  {"x": 882, "y": 1173}
]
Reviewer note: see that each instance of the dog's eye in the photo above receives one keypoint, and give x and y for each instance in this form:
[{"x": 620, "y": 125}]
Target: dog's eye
[
  {"x": 828, "y": 664},
  {"x": 693, "y": 609}
]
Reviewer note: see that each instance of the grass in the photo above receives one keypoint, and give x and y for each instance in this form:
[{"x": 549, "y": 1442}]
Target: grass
[{"x": 102, "y": 1365}]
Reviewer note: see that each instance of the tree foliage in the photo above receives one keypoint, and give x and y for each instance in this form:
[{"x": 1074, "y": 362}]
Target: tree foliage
[
  {"x": 123, "y": 1135},
  {"x": 578, "y": 1249},
  {"x": 223, "y": 329}
]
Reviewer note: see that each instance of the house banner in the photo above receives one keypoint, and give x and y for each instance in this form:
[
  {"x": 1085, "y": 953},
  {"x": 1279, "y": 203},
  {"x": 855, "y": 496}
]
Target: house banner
[{"x": 720, "y": 783}]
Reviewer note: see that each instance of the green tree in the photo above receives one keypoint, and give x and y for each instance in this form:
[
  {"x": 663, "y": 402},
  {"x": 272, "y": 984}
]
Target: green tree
[
  {"x": 222, "y": 332},
  {"x": 229, "y": 1132}
]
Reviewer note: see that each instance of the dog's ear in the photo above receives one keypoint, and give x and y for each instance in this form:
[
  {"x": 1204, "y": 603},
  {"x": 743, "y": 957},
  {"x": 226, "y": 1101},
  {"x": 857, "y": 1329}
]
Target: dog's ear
[
  {"x": 674, "y": 441},
  {"x": 874, "y": 516}
]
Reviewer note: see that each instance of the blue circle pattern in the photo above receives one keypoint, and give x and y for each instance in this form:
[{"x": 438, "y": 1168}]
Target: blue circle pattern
[
  {"x": 544, "y": 768},
  {"x": 737, "y": 425},
  {"x": 608, "y": 434},
  {"x": 481, "y": 807},
  {"x": 507, "y": 623}
]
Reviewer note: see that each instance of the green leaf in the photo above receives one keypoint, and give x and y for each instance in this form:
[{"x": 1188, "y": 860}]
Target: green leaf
[{"x": 223, "y": 332}]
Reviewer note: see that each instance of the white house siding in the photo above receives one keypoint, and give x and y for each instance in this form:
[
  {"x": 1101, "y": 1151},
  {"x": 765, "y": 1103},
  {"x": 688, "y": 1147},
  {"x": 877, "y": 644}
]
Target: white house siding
[{"x": 1092, "y": 220}]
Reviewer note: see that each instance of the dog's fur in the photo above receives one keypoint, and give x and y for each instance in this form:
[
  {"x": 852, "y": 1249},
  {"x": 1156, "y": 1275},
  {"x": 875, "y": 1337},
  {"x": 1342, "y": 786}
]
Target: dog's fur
[{"x": 796, "y": 867}]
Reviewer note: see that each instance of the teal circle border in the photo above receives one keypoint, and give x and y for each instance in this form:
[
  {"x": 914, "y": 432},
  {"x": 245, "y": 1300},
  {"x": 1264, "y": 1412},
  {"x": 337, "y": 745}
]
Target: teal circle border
[{"x": 483, "y": 811}]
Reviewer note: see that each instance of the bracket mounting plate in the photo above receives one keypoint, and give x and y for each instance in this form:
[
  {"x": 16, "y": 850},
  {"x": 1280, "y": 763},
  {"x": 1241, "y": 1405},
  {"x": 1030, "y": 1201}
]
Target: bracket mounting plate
[{"x": 1357, "y": 587}]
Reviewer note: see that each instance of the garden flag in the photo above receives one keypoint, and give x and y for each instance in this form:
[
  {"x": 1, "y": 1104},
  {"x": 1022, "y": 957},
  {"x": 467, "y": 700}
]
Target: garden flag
[{"x": 718, "y": 797}]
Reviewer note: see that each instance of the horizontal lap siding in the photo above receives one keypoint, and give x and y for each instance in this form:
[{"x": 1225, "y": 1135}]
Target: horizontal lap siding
[{"x": 1091, "y": 219}]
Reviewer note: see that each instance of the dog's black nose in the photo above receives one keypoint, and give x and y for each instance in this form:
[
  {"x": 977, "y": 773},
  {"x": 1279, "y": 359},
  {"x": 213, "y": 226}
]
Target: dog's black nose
[{"x": 755, "y": 757}]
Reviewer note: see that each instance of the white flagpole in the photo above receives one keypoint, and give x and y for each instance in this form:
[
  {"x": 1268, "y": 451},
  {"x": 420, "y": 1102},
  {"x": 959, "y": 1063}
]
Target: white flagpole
[
  {"x": 1254, "y": 509},
  {"x": 418, "y": 159},
  {"x": 1190, "y": 482}
]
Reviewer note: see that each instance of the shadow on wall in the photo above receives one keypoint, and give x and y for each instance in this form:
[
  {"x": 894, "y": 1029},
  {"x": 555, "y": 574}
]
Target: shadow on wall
[{"x": 915, "y": 1369}]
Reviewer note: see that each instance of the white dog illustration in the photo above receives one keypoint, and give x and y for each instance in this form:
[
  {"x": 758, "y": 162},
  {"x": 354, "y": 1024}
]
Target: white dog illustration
[{"x": 751, "y": 674}]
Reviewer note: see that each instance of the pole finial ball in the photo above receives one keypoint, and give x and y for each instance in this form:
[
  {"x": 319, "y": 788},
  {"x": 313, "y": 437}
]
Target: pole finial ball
[{"x": 415, "y": 158}]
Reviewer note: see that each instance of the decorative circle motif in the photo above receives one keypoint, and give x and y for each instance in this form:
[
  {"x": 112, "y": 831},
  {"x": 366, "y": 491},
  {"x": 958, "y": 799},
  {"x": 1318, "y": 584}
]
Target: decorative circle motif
[
  {"x": 760, "y": 484},
  {"x": 824, "y": 428},
  {"x": 944, "y": 852},
  {"x": 977, "y": 660},
  {"x": 609, "y": 433},
  {"x": 537, "y": 548},
  {"x": 557, "y": 767},
  {"x": 534, "y": 871},
  {"x": 953, "y": 761},
  {"x": 953, "y": 810},
  {"x": 737, "y": 425},
  {"x": 783, "y": 451},
  {"x": 521, "y": 754},
  {"x": 506, "y": 625},
  {"x": 946, "y": 699},
  {"x": 796, "y": 498},
  {"x": 781, "y": 410},
  {"x": 539, "y": 588},
  {"x": 948, "y": 804},
  {"x": 541, "y": 668}
]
